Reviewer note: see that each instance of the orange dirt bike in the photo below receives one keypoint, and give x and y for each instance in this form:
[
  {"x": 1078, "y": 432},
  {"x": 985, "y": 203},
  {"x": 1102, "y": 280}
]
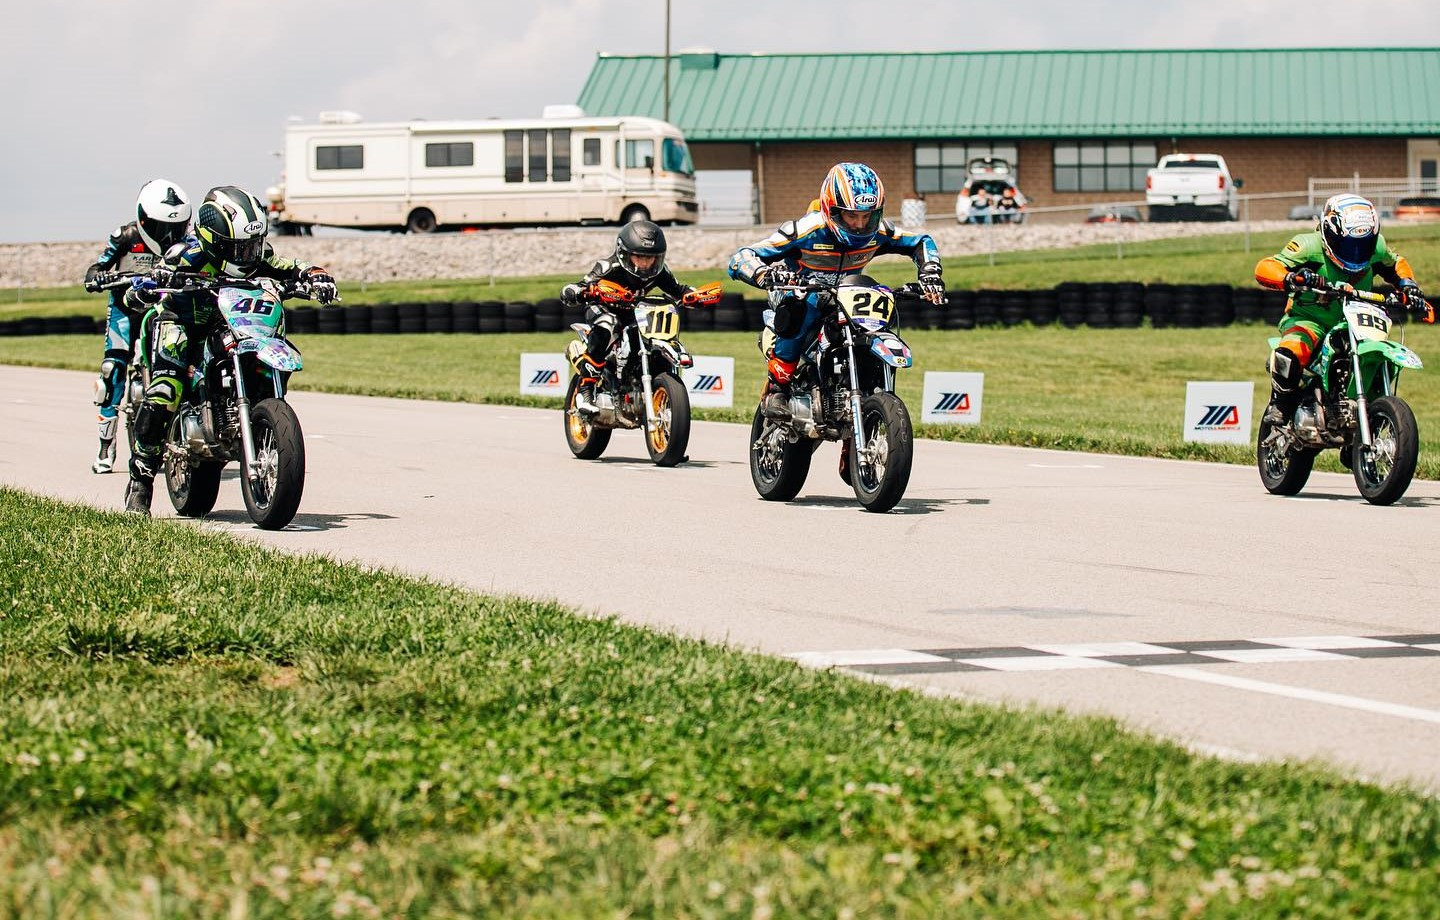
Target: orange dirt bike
[{"x": 640, "y": 386}]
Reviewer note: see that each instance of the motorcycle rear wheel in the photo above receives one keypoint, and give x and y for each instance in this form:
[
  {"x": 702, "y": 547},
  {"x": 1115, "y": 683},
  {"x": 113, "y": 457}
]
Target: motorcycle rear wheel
[
  {"x": 777, "y": 470},
  {"x": 193, "y": 488},
  {"x": 1384, "y": 470},
  {"x": 585, "y": 440},
  {"x": 670, "y": 404},
  {"x": 890, "y": 442},
  {"x": 273, "y": 497},
  {"x": 1282, "y": 472}
]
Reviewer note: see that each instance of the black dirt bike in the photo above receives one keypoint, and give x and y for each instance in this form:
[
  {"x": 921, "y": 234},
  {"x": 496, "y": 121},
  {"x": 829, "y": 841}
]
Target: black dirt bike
[{"x": 843, "y": 390}]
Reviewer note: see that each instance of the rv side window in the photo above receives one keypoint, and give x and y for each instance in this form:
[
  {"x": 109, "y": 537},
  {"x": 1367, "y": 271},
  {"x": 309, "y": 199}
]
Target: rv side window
[
  {"x": 346, "y": 157},
  {"x": 560, "y": 155},
  {"x": 538, "y": 155},
  {"x": 514, "y": 156},
  {"x": 591, "y": 147},
  {"x": 638, "y": 154},
  {"x": 459, "y": 154}
]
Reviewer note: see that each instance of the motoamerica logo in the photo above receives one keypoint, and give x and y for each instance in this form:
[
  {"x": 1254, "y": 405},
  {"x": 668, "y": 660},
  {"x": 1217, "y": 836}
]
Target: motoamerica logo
[
  {"x": 953, "y": 403},
  {"x": 708, "y": 383},
  {"x": 1220, "y": 418},
  {"x": 545, "y": 378}
]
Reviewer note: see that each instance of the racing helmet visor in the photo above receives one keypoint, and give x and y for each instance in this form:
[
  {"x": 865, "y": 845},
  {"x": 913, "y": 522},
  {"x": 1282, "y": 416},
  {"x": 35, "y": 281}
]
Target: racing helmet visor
[{"x": 856, "y": 222}]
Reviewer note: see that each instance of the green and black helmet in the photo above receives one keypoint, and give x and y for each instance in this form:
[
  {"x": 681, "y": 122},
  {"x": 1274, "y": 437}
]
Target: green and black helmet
[{"x": 231, "y": 224}]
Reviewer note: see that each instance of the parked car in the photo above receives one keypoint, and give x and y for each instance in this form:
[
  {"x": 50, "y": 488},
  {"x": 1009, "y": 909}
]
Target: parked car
[
  {"x": 1424, "y": 207},
  {"x": 1192, "y": 186},
  {"x": 1113, "y": 214},
  {"x": 989, "y": 194}
]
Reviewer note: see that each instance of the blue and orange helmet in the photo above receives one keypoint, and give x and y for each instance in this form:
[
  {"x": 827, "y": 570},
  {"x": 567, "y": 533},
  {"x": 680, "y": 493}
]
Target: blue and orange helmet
[{"x": 852, "y": 199}]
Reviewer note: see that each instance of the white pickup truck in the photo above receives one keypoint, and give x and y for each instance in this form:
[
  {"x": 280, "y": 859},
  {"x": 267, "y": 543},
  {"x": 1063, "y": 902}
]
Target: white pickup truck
[{"x": 1191, "y": 186}]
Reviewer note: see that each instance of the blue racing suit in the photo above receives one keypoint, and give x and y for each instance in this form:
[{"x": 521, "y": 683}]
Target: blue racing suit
[
  {"x": 125, "y": 251},
  {"x": 807, "y": 246}
]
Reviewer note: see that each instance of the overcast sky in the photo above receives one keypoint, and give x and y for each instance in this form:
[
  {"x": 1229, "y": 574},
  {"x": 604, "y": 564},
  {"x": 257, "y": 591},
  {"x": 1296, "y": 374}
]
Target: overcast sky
[{"x": 102, "y": 96}]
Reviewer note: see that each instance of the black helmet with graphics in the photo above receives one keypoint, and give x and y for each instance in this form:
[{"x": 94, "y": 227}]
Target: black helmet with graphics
[
  {"x": 231, "y": 225},
  {"x": 644, "y": 239}
]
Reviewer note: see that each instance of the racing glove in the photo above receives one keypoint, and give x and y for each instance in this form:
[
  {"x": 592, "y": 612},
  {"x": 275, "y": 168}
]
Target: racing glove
[
  {"x": 1410, "y": 294},
  {"x": 572, "y": 293},
  {"x": 777, "y": 276},
  {"x": 96, "y": 282},
  {"x": 932, "y": 287},
  {"x": 1300, "y": 280},
  {"x": 322, "y": 285},
  {"x": 142, "y": 291}
]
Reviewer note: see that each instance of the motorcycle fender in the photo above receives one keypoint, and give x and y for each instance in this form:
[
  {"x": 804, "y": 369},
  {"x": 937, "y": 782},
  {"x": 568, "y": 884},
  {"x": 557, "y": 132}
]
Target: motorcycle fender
[
  {"x": 277, "y": 353},
  {"x": 669, "y": 353},
  {"x": 890, "y": 349},
  {"x": 1394, "y": 352}
]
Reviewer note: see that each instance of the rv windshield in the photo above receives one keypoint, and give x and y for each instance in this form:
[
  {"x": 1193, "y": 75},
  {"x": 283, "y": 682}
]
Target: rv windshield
[{"x": 677, "y": 157}]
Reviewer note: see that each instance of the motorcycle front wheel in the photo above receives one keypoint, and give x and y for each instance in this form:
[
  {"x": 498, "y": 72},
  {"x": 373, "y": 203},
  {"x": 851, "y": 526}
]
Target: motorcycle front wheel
[
  {"x": 1282, "y": 472},
  {"x": 585, "y": 440},
  {"x": 1383, "y": 471},
  {"x": 273, "y": 496},
  {"x": 777, "y": 467},
  {"x": 670, "y": 407},
  {"x": 879, "y": 477}
]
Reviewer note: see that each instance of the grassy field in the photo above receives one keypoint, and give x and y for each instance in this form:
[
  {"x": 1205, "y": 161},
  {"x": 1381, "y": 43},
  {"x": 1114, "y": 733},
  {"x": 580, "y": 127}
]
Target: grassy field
[
  {"x": 1104, "y": 390},
  {"x": 1217, "y": 259},
  {"x": 233, "y": 731}
]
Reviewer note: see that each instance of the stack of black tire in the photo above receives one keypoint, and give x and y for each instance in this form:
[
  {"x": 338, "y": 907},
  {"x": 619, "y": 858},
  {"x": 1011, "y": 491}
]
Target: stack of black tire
[{"x": 959, "y": 312}]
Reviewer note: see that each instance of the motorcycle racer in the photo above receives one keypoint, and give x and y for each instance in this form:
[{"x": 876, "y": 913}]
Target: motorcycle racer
[
  {"x": 638, "y": 265},
  {"x": 162, "y": 219},
  {"x": 838, "y": 239},
  {"x": 1347, "y": 249},
  {"x": 230, "y": 230}
]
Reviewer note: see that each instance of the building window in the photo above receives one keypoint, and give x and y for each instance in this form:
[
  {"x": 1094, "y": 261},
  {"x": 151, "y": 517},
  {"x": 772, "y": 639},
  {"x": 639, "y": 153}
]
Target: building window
[
  {"x": 940, "y": 167},
  {"x": 638, "y": 154},
  {"x": 591, "y": 148},
  {"x": 560, "y": 155},
  {"x": 1102, "y": 166},
  {"x": 450, "y": 154},
  {"x": 514, "y": 156},
  {"x": 350, "y": 156}
]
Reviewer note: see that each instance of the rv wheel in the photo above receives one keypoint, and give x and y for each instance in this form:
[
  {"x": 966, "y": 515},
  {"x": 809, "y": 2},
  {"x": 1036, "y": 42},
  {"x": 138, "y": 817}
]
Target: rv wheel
[{"x": 421, "y": 221}]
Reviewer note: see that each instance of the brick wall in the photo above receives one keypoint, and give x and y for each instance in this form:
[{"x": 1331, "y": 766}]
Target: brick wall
[{"x": 793, "y": 173}]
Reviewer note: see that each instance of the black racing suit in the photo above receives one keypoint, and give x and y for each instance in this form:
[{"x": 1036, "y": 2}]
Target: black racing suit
[
  {"x": 606, "y": 318},
  {"x": 184, "y": 321}
]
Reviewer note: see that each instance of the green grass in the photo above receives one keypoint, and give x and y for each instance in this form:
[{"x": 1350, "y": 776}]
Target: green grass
[
  {"x": 1212, "y": 259},
  {"x": 1111, "y": 391},
  {"x": 195, "y": 726}
]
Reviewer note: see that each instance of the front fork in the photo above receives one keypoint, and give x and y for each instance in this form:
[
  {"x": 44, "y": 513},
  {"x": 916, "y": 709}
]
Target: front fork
[
  {"x": 857, "y": 427},
  {"x": 1360, "y": 392},
  {"x": 651, "y": 422},
  {"x": 247, "y": 438}
]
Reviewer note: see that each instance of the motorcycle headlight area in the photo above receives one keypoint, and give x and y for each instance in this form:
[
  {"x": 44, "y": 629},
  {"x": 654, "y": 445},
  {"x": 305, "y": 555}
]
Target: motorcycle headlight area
[{"x": 891, "y": 350}]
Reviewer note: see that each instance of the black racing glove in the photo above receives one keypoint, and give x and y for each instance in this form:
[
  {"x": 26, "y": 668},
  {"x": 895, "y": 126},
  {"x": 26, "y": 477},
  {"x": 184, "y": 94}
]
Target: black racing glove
[
  {"x": 322, "y": 285},
  {"x": 932, "y": 286},
  {"x": 1300, "y": 280},
  {"x": 1411, "y": 296},
  {"x": 96, "y": 282},
  {"x": 777, "y": 276}
]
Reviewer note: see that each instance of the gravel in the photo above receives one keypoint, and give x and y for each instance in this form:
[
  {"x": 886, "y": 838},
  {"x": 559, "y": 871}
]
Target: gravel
[{"x": 520, "y": 253}]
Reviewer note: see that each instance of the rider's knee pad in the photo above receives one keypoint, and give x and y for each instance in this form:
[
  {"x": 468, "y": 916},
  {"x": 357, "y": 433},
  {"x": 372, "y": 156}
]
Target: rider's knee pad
[
  {"x": 1285, "y": 369},
  {"x": 151, "y": 420},
  {"x": 789, "y": 318}
]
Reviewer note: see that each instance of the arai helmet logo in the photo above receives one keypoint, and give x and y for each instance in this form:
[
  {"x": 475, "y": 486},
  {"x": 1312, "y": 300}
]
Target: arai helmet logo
[
  {"x": 866, "y": 200},
  {"x": 254, "y": 227}
]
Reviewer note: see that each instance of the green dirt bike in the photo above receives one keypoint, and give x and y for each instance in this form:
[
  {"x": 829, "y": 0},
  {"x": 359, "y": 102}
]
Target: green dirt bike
[
  {"x": 234, "y": 406},
  {"x": 1350, "y": 403},
  {"x": 843, "y": 390}
]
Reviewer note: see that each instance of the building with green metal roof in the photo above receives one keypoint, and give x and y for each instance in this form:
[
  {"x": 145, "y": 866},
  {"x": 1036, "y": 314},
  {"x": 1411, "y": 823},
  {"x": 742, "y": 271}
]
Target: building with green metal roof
[{"x": 1079, "y": 126}]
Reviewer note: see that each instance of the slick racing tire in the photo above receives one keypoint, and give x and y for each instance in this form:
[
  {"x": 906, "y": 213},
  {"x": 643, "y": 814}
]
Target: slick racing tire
[
  {"x": 1282, "y": 472},
  {"x": 586, "y": 441},
  {"x": 273, "y": 497},
  {"x": 777, "y": 467},
  {"x": 880, "y": 483},
  {"x": 1383, "y": 471},
  {"x": 193, "y": 487},
  {"x": 670, "y": 405}
]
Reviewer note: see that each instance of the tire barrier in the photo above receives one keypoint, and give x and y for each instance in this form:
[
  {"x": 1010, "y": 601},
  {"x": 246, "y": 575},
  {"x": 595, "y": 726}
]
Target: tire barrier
[{"x": 1073, "y": 304}]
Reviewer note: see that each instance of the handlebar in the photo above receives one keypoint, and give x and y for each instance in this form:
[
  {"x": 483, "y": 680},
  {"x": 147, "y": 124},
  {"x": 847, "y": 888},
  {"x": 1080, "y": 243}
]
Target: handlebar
[{"x": 191, "y": 283}]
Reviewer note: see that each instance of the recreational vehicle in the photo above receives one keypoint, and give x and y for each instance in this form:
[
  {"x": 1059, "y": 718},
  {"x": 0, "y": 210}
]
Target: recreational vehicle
[{"x": 423, "y": 175}]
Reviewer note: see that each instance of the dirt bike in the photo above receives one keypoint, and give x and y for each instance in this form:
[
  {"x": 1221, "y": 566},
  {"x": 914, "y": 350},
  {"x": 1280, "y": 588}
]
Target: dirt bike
[
  {"x": 640, "y": 385},
  {"x": 1350, "y": 402},
  {"x": 843, "y": 389},
  {"x": 245, "y": 357}
]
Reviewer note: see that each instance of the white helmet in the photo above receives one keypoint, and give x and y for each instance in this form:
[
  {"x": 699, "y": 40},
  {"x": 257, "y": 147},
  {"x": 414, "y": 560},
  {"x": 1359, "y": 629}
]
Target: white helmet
[{"x": 162, "y": 212}]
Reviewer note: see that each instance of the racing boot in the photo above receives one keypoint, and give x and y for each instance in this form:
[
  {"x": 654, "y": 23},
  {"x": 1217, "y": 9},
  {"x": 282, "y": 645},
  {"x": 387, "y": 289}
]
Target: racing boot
[
  {"x": 105, "y": 459},
  {"x": 141, "y": 488},
  {"x": 590, "y": 373},
  {"x": 1286, "y": 369},
  {"x": 775, "y": 401},
  {"x": 1281, "y": 410}
]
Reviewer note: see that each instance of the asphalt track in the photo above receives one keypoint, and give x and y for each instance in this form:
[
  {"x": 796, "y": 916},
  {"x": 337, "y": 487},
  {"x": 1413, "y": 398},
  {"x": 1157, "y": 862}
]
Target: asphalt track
[{"x": 1177, "y": 596}]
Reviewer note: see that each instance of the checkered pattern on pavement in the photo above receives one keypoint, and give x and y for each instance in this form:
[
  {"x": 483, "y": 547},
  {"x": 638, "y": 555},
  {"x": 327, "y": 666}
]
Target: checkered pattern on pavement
[{"x": 1124, "y": 654}]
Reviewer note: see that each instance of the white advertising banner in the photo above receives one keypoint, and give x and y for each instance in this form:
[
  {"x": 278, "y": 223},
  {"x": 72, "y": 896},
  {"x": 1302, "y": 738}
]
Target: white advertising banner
[
  {"x": 543, "y": 374},
  {"x": 953, "y": 398},
  {"x": 1219, "y": 412},
  {"x": 711, "y": 382}
]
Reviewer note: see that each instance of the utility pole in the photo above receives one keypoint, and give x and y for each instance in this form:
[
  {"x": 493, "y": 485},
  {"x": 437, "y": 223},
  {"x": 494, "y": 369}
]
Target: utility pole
[{"x": 667, "y": 60}]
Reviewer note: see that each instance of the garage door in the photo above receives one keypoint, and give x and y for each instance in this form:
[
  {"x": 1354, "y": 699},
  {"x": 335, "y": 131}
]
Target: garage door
[{"x": 727, "y": 197}]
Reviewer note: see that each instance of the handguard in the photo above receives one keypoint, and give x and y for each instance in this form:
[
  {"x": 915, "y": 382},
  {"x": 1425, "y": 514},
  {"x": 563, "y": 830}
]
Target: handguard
[{"x": 703, "y": 295}]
